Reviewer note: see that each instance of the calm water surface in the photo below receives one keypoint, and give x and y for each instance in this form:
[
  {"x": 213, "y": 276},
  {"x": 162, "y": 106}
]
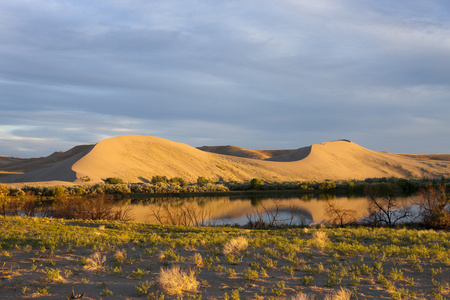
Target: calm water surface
[{"x": 239, "y": 210}]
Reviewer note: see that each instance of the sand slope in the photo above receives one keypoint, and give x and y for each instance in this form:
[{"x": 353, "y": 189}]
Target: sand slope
[
  {"x": 243, "y": 152},
  {"x": 136, "y": 158}
]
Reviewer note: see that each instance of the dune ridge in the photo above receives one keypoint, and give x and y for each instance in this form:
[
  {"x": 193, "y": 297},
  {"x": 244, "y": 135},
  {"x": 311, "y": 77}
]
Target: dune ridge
[{"x": 137, "y": 158}]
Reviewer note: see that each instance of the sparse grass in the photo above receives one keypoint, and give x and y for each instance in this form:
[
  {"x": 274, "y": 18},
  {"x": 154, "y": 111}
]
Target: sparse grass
[{"x": 368, "y": 259}]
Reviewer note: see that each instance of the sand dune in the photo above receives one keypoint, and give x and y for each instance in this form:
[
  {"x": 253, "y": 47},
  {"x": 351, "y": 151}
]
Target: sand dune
[{"x": 137, "y": 158}]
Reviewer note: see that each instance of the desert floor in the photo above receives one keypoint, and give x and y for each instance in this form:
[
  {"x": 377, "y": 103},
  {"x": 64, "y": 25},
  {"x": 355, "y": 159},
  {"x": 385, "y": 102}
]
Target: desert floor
[{"x": 50, "y": 258}]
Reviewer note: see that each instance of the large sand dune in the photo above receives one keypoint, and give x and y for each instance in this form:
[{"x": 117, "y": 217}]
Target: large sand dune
[{"x": 137, "y": 158}]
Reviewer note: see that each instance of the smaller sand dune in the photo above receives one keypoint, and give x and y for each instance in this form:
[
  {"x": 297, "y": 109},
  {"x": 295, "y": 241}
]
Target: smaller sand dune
[{"x": 20, "y": 165}]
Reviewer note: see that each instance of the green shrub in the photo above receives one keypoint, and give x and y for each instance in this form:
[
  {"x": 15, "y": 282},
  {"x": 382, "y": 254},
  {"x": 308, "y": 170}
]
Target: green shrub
[
  {"x": 203, "y": 180},
  {"x": 256, "y": 184},
  {"x": 113, "y": 180},
  {"x": 157, "y": 179}
]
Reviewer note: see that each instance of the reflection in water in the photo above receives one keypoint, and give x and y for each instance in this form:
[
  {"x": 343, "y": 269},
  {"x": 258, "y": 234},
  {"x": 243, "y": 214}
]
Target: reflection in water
[{"x": 239, "y": 210}]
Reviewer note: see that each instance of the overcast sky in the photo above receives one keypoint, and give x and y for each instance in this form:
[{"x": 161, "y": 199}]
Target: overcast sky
[{"x": 259, "y": 74}]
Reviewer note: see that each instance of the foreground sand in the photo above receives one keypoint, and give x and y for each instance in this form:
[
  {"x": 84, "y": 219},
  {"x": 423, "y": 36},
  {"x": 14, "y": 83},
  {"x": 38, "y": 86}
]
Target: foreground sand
[{"x": 45, "y": 258}]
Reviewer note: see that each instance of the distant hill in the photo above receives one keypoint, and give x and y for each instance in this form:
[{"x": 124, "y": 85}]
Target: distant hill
[{"x": 137, "y": 158}]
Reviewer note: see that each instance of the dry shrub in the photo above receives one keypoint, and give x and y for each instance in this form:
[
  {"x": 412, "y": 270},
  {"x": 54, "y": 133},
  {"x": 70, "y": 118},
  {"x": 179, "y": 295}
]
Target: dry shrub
[
  {"x": 175, "y": 281},
  {"x": 235, "y": 246},
  {"x": 96, "y": 262},
  {"x": 434, "y": 206},
  {"x": 120, "y": 256},
  {"x": 302, "y": 297},
  {"x": 319, "y": 238},
  {"x": 342, "y": 294},
  {"x": 101, "y": 207},
  {"x": 198, "y": 260}
]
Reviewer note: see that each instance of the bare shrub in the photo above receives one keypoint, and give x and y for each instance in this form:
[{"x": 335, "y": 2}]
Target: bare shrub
[
  {"x": 434, "y": 206},
  {"x": 186, "y": 214},
  {"x": 338, "y": 215},
  {"x": 175, "y": 281},
  {"x": 267, "y": 217},
  {"x": 384, "y": 207},
  {"x": 235, "y": 246},
  {"x": 102, "y": 207}
]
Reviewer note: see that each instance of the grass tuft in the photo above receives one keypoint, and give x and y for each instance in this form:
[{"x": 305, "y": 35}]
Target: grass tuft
[
  {"x": 175, "y": 281},
  {"x": 235, "y": 246}
]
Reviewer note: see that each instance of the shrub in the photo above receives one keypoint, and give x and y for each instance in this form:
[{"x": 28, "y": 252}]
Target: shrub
[
  {"x": 235, "y": 246},
  {"x": 178, "y": 180},
  {"x": 256, "y": 184},
  {"x": 158, "y": 178},
  {"x": 327, "y": 185},
  {"x": 250, "y": 274},
  {"x": 113, "y": 180},
  {"x": 302, "y": 297},
  {"x": 203, "y": 180},
  {"x": 342, "y": 294},
  {"x": 319, "y": 238},
  {"x": 96, "y": 262},
  {"x": 175, "y": 281},
  {"x": 58, "y": 191},
  {"x": 434, "y": 208}
]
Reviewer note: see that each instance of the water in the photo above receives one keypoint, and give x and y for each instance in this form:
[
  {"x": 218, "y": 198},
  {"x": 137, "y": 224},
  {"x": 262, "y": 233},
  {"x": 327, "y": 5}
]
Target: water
[{"x": 240, "y": 210}]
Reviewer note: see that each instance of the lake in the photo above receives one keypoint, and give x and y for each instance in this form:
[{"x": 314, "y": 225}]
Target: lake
[{"x": 231, "y": 210}]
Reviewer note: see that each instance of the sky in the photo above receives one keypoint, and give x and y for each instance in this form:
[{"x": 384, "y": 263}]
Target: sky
[{"x": 259, "y": 74}]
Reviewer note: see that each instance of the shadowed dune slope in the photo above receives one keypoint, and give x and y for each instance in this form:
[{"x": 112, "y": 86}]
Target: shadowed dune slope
[
  {"x": 242, "y": 152},
  {"x": 15, "y": 164},
  {"x": 137, "y": 158}
]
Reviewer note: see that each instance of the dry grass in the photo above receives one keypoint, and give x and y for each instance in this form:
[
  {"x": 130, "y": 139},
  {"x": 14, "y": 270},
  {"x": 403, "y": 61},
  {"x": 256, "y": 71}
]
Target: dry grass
[
  {"x": 175, "y": 281},
  {"x": 96, "y": 262},
  {"x": 342, "y": 294},
  {"x": 120, "y": 256},
  {"x": 302, "y": 297},
  {"x": 319, "y": 238},
  {"x": 235, "y": 246}
]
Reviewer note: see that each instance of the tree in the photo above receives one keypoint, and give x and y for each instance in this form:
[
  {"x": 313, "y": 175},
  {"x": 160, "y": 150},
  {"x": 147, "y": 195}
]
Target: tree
[{"x": 384, "y": 207}]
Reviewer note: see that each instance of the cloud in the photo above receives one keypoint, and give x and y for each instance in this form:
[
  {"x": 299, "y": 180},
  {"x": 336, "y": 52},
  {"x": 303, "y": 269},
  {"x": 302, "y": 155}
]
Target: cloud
[{"x": 257, "y": 74}]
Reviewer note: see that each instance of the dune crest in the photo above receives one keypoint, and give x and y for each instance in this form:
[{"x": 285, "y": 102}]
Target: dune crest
[{"x": 137, "y": 158}]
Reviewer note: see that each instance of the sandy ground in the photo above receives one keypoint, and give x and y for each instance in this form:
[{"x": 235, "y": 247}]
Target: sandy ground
[
  {"x": 24, "y": 273},
  {"x": 137, "y": 158}
]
